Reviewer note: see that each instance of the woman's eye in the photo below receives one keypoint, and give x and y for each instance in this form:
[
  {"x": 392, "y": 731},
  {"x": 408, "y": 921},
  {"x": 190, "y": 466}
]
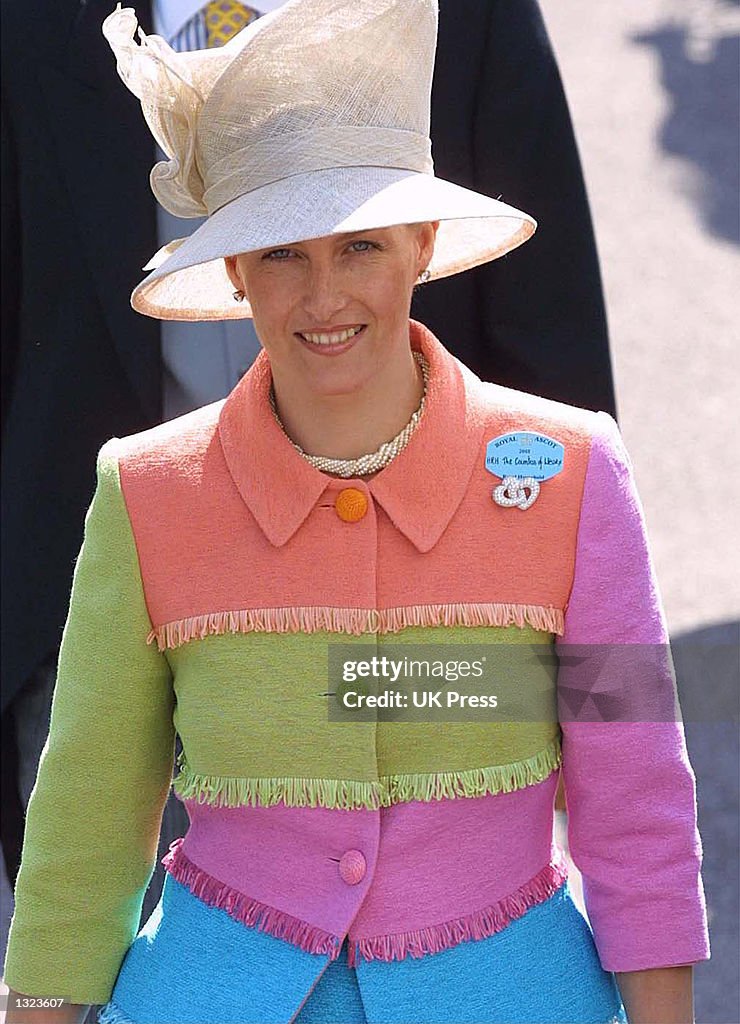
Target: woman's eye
[{"x": 281, "y": 255}]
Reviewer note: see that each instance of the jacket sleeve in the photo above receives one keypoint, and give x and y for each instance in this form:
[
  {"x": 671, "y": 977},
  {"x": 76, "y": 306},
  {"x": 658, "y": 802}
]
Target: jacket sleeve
[
  {"x": 95, "y": 812},
  {"x": 630, "y": 788}
]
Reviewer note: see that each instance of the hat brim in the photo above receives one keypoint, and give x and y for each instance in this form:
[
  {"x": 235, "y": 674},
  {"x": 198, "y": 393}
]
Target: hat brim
[{"x": 188, "y": 279}]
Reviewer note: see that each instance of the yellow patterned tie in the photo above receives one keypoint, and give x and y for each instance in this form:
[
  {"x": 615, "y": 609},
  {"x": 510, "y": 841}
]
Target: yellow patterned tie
[{"x": 224, "y": 18}]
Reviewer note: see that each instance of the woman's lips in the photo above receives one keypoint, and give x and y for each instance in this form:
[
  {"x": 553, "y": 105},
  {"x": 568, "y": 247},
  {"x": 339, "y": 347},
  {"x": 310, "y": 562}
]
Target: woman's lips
[{"x": 330, "y": 348}]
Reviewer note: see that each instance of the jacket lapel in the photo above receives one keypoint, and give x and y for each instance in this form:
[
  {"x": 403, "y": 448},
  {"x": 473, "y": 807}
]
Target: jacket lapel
[
  {"x": 424, "y": 485},
  {"x": 420, "y": 490}
]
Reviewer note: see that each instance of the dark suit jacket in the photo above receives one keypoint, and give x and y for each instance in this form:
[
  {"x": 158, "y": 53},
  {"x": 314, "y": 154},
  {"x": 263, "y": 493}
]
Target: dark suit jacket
[
  {"x": 79, "y": 365},
  {"x": 79, "y": 222},
  {"x": 533, "y": 319}
]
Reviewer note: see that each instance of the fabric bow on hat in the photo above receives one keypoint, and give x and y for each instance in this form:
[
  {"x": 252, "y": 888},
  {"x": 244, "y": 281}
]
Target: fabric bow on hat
[
  {"x": 313, "y": 120},
  {"x": 172, "y": 89}
]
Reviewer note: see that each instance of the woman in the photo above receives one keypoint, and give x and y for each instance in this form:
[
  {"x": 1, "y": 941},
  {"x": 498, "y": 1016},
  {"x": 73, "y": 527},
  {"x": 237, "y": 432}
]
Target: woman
[{"x": 359, "y": 493}]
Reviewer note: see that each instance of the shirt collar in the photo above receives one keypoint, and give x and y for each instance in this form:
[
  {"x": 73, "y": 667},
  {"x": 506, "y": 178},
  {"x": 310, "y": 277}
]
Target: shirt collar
[
  {"x": 420, "y": 490},
  {"x": 171, "y": 16}
]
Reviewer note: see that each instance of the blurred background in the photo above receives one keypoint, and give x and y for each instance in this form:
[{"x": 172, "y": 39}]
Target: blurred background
[{"x": 653, "y": 92}]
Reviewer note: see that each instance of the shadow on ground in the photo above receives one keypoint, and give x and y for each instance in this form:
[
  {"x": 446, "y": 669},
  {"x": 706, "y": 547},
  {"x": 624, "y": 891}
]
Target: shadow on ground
[
  {"x": 699, "y": 57},
  {"x": 708, "y": 678}
]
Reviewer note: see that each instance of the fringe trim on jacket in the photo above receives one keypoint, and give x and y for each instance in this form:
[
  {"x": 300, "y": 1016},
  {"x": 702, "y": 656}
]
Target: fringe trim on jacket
[
  {"x": 354, "y": 620},
  {"x": 478, "y": 925},
  {"x": 247, "y": 910},
  {"x": 351, "y": 794}
]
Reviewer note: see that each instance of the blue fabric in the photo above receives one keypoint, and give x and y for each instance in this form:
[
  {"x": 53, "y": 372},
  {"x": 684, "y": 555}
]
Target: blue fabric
[
  {"x": 336, "y": 998},
  {"x": 542, "y": 969},
  {"x": 193, "y": 964}
]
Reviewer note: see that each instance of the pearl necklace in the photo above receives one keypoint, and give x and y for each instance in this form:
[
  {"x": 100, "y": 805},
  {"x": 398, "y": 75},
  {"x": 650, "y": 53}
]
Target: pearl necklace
[{"x": 375, "y": 460}]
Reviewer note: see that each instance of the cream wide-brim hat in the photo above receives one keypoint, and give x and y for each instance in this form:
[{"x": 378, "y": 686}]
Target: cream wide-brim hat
[{"x": 267, "y": 180}]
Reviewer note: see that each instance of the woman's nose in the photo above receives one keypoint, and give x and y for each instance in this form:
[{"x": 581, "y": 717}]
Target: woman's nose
[{"x": 325, "y": 296}]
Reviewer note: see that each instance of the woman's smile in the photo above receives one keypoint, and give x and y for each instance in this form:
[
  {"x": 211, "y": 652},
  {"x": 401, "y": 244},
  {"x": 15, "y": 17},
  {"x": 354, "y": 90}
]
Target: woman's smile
[
  {"x": 332, "y": 342},
  {"x": 346, "y": 296}
]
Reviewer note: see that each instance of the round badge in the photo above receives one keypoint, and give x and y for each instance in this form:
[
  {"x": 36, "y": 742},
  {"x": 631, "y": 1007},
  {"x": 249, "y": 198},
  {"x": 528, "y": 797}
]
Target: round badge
[{"x": 522, "y": 460}]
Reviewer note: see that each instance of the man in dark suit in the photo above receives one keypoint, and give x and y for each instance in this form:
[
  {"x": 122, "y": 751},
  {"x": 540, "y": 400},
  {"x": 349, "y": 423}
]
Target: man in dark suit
[
  {"x": 79, "y": 366},
  {"x": 533, "y": 320}
]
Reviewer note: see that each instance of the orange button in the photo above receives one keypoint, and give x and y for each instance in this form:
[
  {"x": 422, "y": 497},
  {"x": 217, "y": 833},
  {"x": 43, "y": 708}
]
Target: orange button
[{"x": 351, "y": 504}]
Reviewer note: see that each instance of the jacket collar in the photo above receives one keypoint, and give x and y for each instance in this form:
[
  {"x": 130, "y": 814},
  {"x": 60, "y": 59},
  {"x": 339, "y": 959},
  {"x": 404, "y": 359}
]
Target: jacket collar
[{"x": 420, "y": 490}]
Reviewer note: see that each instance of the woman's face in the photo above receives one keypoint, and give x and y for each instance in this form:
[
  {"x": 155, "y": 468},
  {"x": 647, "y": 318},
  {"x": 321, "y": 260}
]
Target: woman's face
[{"x": 332, "y": 311}]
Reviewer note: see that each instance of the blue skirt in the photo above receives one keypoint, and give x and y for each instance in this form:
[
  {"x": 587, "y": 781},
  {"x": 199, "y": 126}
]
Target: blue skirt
[
  {"x": 542, "y": 969},
  {"x": 193, "y": 963}
]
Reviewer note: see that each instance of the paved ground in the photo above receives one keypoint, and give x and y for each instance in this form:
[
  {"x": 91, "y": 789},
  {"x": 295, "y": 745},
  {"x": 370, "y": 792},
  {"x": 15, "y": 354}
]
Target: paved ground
[
  {"x": 653, "y": 91},
  {"x": 652, "y": 86}
]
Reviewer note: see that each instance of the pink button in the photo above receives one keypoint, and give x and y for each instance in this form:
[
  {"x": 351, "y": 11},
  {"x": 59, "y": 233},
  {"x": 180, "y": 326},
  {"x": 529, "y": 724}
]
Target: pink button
[{"x": 352, "y": 867}]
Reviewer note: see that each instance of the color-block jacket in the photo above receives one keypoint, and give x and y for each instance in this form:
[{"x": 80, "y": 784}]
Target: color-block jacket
[{"x": 217, "y": 566}]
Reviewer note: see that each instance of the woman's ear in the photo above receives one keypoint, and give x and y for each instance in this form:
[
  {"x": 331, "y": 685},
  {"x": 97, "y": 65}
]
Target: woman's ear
[
  {"x": 232, "y": 270},
  {"x": 427, "y": 237}
]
